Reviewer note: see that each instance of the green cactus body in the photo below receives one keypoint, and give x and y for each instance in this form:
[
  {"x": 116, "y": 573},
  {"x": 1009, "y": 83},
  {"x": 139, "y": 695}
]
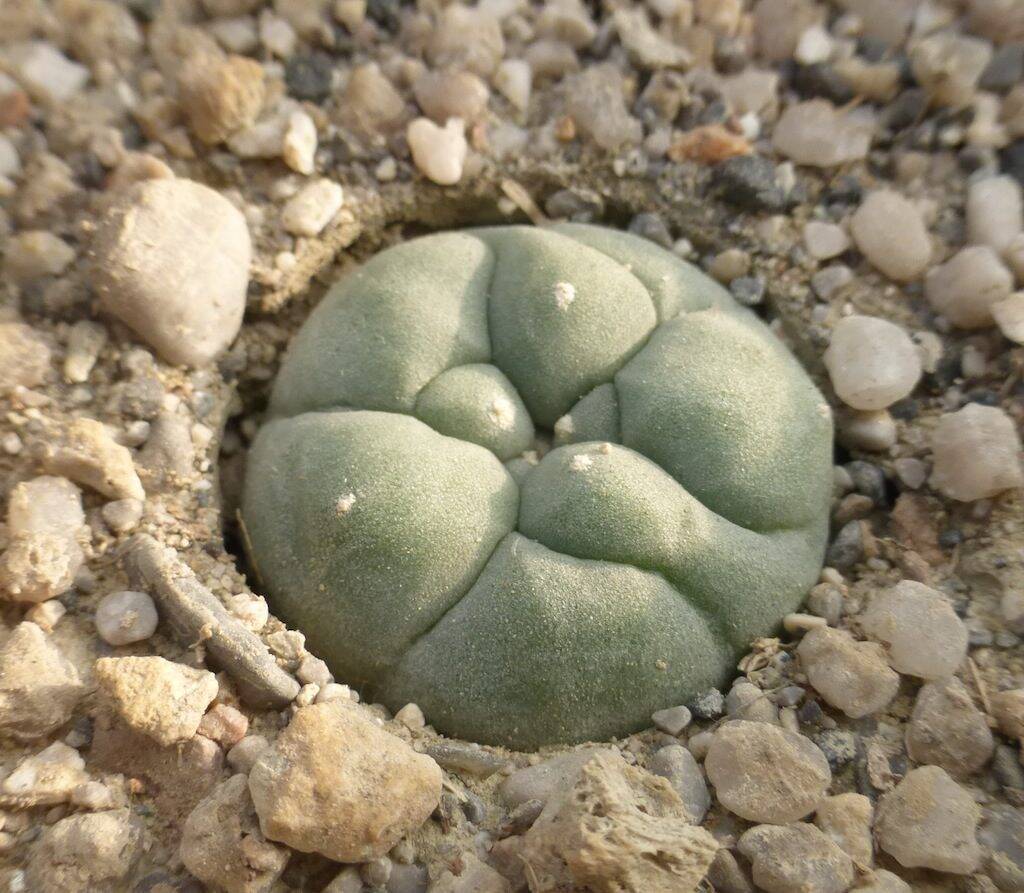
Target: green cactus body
[{"x": 398, "y": 515}]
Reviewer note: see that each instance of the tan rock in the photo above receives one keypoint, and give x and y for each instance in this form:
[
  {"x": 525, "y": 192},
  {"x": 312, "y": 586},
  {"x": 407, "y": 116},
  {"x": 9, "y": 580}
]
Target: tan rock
[
  {"x": 44, "y": 778},
  {"x": 891, "y": 234},
  {"x": 220, "y": 95},
  {"x": 929, "y": 821},
  {"x": 335, "y": 783},
  {"x": 39, "y": 687},
  {"x": 24, "y": 357},
  {"x": 976, "y": 453},
  {"x": 766, "y": 774},
  {"x": 846, "y": 820},
  {"x": 157, "y": 697},
  {"x": 1008, "y": 709},
  {"x": 852, "y": 676},
  {"x": 947, "y": 730},
  {"x": 475, "y": 877},
  {"x": 796, "y": 857},
  {"x": 172, "y": 263},
  {"x": 616, "y": 829},
  {"x": 222, "y": 845},
  {"x": 88, "y": 454},
  {"x": 85, "y": 853}
]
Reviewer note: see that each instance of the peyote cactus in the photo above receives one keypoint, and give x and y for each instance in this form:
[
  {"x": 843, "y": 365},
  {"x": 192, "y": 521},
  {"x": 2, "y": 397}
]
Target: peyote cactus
[{"x": 396, "y": 514}]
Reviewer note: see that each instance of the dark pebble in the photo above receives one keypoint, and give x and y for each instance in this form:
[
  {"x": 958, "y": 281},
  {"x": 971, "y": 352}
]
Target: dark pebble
[
  {"x": 906, "y": 410},
  {"x": 822, "y": 80},
  {"x": 810, "y": 713},
  {"x": 905, "y": 110},
  {"x": 1011, "y": 160},
  {"x": 949, "y": 539},
  {"x": 1007, "y": 768},
  {"x": 652, "y": 227},
  {"x": 474, "y": 809},
  {"x": 707, "y": 705},
  {"x": 308, "y": 75},
  {"x": 747, "y": 290},
  {"x": 385, "y": 13},
  {"x": 581, "y": 205},
  {"x": 845, "y": 190},
  {"x": 1006, "y": 69},
  {"x": 847, "y": 549},
  {"x": 748, "y": 181},
  {"x": 872, "y": 49},
  {"x": 868, "y": 480},
  {"x": 521, "y": 818},
  {"x": 839, "y": 747}
]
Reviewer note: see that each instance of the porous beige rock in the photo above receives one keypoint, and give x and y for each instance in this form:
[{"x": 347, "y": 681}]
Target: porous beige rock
[
  {"x": 24, "y": 357},
  {"x": 929, "y": 821},
  {"x": 921, "y": 632},
  {"x": 846, "y": 820},
  {"x": 220, "y": 95},
  {"x": 796, "y": 858},
  {"x": 172, "y": 262},
  {"x": 946, "y": 729},
  {"x": 39, "y": 686},
  {"x": 890, "y": 233},
  {"x": 976, "y": 453},
  {"x": 335, "y": 783},
  {"x": 964, "y": 288},
  {"x": 44, "y": 519},
  {"x": 162, "y": 699},
  {"x": 85, "y": 853},
  {"x": 616, "y": 829},
  {"x": 852, "y": 676},
  {"x": 86, "y": 453},
  {"x": 222, "y": 845},
  {"x": 766, "y": 774},
  {"x": 872, "y": 362}
]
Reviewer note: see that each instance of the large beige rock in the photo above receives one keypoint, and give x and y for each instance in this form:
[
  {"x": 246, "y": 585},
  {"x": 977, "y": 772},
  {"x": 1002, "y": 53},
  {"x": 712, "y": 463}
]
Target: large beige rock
[
  {"x": 921, "y": 631},
  {"x": 222, "y": 845},
  {"x": 852, "y": 676},
  {"x": 172, "y": 262},
  {"x": 766, "y": 774},
  {"x": 616, "y": 829},
  {"x": 796, "y": 858},
  {"x": 976, "y": 452},
  {"x": 335, "y": 783},
  {"x": 85, "y": 854},
  {"x": 929, "y": 821},
  {"x": 157, "y": 697},
  {"x": 946, "y": 729},
  {"x": 39, "y": 687}
]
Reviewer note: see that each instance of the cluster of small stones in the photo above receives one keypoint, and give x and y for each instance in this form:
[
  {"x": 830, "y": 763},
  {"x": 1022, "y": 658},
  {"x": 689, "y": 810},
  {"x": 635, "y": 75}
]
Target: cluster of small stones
[{"x": 163, "y": 164}]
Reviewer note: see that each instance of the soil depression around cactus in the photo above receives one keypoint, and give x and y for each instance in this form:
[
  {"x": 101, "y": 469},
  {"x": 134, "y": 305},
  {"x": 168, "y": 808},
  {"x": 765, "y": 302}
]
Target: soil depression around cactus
[{"x": 680, "y": 512}]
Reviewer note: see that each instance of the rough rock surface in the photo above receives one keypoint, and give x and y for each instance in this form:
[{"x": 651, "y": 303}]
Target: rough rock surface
[
  {"x": 947, "y": 730},
  {"x": 157, "y": 697},
  {"x": 222, "y": 845},
  {"x": 86, "y": 453},
  {"x": 890, "y": 233},
  {"x": 796, "y": 858},
  {"x": 679, "y": 766},
  {"x": 540, "y": 781},
  {"x": 617, "y": 829},
  {"x": 84, "y": 853},
  {"x": 921, "y": 631},
  {"x": 766, "y": 774},
  {"x": 39, "y": 686},
  {"x": 929, "y": 821},
  {"x": 172, "y": 262},
  {"x": 846, "y": 820},
  {"x": 336, "y": 784},
  {"x": 852, "y": 676},
  {"x": 24, "y": 357}
]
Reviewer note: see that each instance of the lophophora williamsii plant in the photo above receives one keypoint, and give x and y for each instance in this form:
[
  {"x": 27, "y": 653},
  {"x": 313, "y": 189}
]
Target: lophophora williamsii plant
[{"x": 540, "y": 481}]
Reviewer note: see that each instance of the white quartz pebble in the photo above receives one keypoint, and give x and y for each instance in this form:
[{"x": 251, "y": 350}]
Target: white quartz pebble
[
  {"x": 965, "y": 287},
  {"x": 890, "y": 233},
  {"x": 438, "y": 152},
  {"x": 311, "y": 208},
  {"x": 1009, "y": 316},
  {"x": 976, "y": 453},
  {"x": 872, "y": 362},
  {"x": 125, "y": 617},
  {"x": 995, "y": 212}
]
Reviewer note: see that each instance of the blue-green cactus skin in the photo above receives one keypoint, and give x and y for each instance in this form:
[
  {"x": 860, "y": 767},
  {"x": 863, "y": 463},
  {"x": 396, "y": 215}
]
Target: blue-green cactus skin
[{"x": 401, "y": 509}]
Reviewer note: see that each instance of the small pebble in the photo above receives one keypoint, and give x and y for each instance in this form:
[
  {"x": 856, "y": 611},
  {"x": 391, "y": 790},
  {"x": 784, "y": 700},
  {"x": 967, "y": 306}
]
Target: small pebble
[
  {"x": 311, "y": 208},
  {"x": 672, "y": 720},
  {"x": 890, "y": 233},
  {"x": 874, "y": 432},
  {"x": 126, "y": 617},
  {"x": 872, "y": 362},
  {"x": 817, "y": 133},
  {"x": 244, "y": 754},
  {"x": 965, "y": 287},
  {"x": 828, "y": 280},
  {"x": 995, "y": 212},
  {"x": 824, "y": 241},
  {"x": 679, "y": 766},
  {"x": 796, "y": 857},
  {"x": 300, "y": 141},
  {"x": 852, "y": 676},
  {"x": 708, "y": 705},
  {"x": 438, "y": 152}
]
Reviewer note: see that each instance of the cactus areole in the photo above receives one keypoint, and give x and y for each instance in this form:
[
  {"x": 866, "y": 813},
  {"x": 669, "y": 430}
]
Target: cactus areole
[{"x": 540, "y": 481}]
